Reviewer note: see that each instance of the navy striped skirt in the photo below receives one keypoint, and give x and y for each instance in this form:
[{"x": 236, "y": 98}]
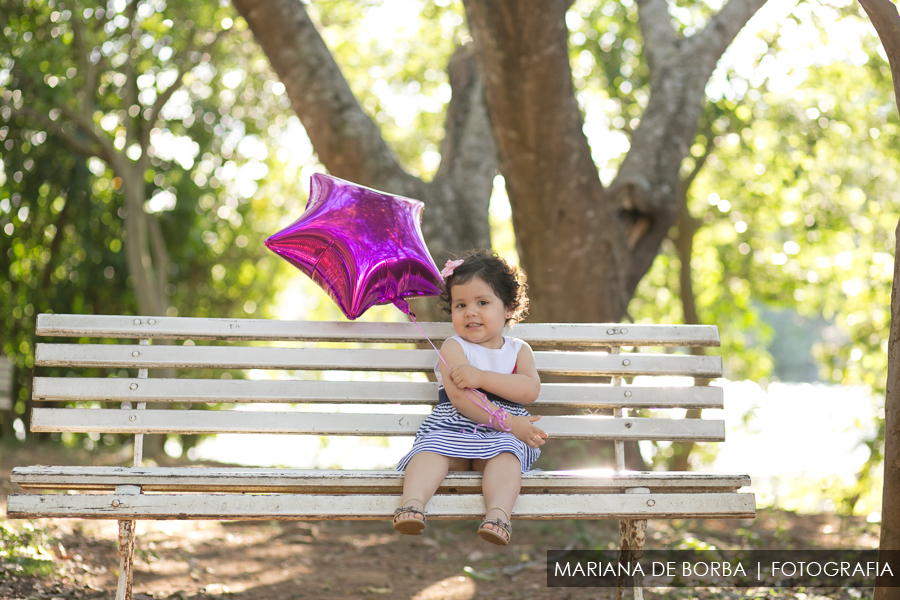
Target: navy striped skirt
[{"x": 448, "y": 433}]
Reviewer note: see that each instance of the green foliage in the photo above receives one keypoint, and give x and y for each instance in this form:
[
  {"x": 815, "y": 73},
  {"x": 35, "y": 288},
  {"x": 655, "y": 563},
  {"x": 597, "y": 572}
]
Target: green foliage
[
  {"x": 805, "y": 197},
  {"x": 798, "y": 199},
  {"x": 798, "y": 203},
  {"x": 24, "y": 550},
  {"x": 214, "y": 182}
]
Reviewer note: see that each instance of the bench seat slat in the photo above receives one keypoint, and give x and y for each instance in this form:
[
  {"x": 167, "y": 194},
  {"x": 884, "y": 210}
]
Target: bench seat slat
[
  {"x": 333, "y": 481},
  {"x": 244, "y": 357},
  {"x": 595, "y": 334},
  {"x": 371, "y": 392},
  {"x": 312, "y": 423},
  {"x": 368, "y": 507}
]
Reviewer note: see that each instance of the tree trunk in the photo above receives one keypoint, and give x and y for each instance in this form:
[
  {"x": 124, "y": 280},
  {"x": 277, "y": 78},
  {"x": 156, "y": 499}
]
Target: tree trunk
[
  {"x": 885, "y": 18},
  {"x": 890, "y": 500},
  {"x": 585, "y": 248},
  {"x": 145, "y": 272},
  {"x": 558, "y": 203},
  {"x": 684, "y": 246}
]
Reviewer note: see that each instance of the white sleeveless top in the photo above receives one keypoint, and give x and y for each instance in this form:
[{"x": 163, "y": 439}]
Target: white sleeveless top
[{"x": 500, "y": 360}]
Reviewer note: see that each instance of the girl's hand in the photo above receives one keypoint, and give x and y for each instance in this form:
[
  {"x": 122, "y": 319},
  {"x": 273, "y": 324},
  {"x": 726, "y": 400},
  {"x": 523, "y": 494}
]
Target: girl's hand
[
  {"x": 466, "y": 376},
  {"x": 526, "y": 432}
]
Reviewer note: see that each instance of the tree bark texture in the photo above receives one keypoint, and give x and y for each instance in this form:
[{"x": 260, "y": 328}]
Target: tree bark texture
[
  {"x": 890, "y": 506},
  {"x": 684, "y": 247},
  {"x": 586, "y": 248},
  {"x": 890, "y": 497},
  {"x": 885, "y": 18},
  {"x": 350, "y": 144}
]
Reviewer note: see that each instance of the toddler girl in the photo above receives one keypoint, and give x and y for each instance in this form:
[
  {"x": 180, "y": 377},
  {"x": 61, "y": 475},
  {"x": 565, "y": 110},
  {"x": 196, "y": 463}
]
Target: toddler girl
[{"x": 482, "y": 295}]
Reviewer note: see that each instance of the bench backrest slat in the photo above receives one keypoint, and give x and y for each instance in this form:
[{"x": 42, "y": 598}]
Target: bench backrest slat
[
  {"x": 575, "y": 395},
  {"x": 193, "y": 422},
  {"x": 559, "y": 334},
  {"x": 244, "y": 357}
]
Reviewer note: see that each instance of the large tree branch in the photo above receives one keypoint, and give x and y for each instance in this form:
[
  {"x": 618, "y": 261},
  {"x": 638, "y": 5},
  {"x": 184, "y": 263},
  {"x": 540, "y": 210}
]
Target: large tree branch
[
  {"x": 132, "y": 122},
  {"x": 884, "y": 16},
  {"x": 89, "y": 71},
  {"x": 656, "y": 28},
  {"x": 688, "y": 181},
  {"x": 724, "y": 27},
  {"x": 84, "y": 123},
  {"x": 104, "y": 147},
  {"x": 523, "y": 53},
  {"x": 76, "y": 145},
  {"x": 160, "y": 259},
  {"x": 345, "y": 138},
  {"x": 647, "y": 186},
  {"x": 468, "y": 154}
]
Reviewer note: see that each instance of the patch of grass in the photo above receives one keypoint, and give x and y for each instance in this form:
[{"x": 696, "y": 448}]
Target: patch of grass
[{"x": 24, "y": 550}]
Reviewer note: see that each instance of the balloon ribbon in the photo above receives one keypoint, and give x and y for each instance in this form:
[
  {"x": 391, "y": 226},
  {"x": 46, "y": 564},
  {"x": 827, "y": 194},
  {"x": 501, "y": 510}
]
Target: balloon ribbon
[{"x": 496, "y": 418}]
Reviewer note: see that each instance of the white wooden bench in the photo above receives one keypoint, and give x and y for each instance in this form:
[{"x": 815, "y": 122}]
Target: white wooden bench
[{"x": 131, "y": 493}]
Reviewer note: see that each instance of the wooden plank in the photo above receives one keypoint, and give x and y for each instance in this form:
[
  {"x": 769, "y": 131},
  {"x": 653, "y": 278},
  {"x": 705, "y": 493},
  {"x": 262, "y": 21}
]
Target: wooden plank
[
  {"x": 369, "y": 507},
  {"x": 566, "y": 334},
  {"x": 333, "y": 481},
  {"x": 312, "y": 423},
  {"x": 576, "y": 395},
  {"x": 243, "y": 357}
]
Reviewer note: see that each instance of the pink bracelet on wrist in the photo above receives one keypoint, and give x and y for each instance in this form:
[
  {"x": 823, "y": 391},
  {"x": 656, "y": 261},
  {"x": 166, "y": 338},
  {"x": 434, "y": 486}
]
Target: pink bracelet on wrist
[{"x": 496, "y": 418}]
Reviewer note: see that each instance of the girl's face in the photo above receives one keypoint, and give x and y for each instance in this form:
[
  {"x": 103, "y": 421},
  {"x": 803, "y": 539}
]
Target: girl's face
[{"x": 478, "y": 314}]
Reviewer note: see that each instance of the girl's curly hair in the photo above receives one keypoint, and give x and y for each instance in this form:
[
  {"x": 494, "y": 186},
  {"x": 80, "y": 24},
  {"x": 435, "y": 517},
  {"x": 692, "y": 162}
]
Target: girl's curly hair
[{"x": 508, "y": 282}]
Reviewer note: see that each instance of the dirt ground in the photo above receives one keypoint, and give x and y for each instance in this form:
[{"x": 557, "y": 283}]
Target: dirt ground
[{"x": 273, "y": 560}]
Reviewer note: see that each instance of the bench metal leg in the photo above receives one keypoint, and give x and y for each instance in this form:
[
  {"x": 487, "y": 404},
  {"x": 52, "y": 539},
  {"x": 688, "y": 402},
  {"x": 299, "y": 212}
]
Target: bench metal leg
[
  {"x": 126, "y": 559},
  {"x": 632, "y": 533},
  {"x": 631, "y": 549},
  {"x": 126, "y": 543}
]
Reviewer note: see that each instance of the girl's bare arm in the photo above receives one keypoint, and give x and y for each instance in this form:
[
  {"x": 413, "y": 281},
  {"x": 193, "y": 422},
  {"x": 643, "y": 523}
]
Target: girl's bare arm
[
  {"x": 522, "y": 427},
  {"x": 523, "y": 387}
]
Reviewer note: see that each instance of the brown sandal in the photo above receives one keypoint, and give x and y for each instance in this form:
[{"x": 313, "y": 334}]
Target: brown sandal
[
  {"x": 412, "y": 526},
  {"x": 491, "y": 535}
]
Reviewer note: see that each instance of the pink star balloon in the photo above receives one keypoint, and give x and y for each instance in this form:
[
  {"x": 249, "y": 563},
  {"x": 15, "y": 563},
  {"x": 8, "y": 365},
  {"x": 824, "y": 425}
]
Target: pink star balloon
[{"x": 362, "y": 246}]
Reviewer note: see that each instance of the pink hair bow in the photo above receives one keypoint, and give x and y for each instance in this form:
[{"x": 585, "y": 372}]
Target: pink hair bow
[{"x": 450, "y": 267}]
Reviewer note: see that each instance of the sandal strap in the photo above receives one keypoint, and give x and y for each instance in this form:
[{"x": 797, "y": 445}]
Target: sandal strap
[
  {"x": 507, "y": 527},
  {"x": 404, "y": 510},
  {"x": 501, "y": 509}
]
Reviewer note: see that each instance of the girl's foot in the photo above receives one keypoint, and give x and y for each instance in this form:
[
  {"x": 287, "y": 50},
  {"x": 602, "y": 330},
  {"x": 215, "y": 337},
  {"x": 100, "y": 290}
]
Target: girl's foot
[
  {"x": 410, "y": 520},
  {"x": 496, "y": 531}
]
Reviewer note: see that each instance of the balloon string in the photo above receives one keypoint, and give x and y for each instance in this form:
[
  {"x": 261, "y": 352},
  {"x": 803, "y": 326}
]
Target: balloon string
[{"x": 496, "y": 418}]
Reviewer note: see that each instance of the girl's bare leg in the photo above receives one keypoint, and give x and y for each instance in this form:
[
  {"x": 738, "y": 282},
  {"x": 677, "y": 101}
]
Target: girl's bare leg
[
  {"x": 500, "y": 484},
  {"x": 424, "y": 473}
]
